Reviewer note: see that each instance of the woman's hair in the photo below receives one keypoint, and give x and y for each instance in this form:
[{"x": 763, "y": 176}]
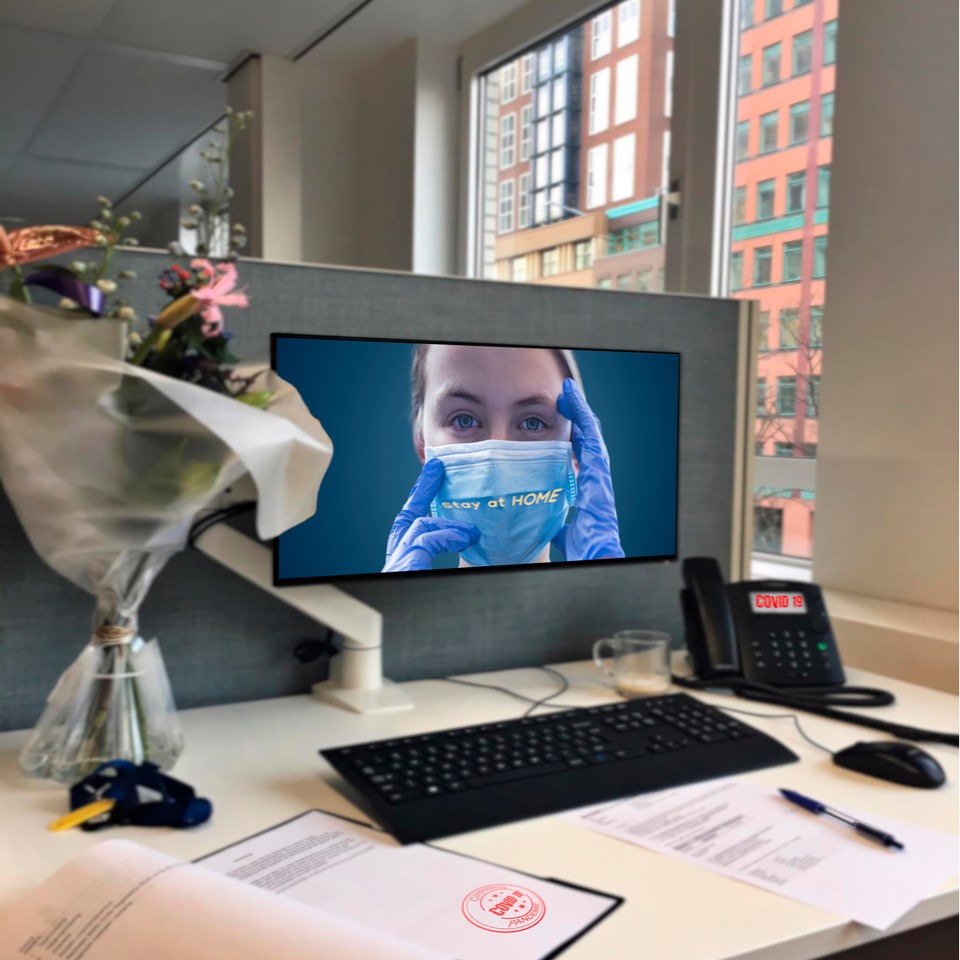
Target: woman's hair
[{"x": 418, "y": 380}]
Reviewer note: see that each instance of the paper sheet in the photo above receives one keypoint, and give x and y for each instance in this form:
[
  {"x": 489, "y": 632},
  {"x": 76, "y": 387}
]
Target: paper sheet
[
  {"x": 455, "y": 905},
  {"x": 750, "y": 833}
]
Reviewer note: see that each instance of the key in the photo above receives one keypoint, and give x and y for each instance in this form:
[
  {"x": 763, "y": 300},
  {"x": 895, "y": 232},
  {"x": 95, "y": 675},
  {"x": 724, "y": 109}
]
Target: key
[{"x": 509, "y": 775}]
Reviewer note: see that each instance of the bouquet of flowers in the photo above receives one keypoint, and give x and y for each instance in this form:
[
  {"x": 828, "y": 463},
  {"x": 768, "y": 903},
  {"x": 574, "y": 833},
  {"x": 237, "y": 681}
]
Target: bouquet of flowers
[{"x": 111, "y": 444}]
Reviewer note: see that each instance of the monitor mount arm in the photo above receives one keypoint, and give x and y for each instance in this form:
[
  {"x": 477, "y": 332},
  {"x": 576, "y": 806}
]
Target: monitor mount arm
[{"x": 356, "y": 674}]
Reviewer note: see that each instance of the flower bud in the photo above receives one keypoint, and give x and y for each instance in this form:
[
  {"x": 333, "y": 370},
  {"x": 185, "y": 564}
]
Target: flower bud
[
  {"x": 123, "y": 222},
  {"x": 128, "y": 274},
  {"x": 196, "y": 209},
  {"x": 104, "y": 202},
  {"x": 188, "y": 224},
  {"x": 238, "y": 228},
  {"x": 106, "y": 286},
  {"x": 78, "y": 266},
  {"x": 135, "y": 215},
  {"x": 128, "y": 313},
  {"x": 197, "y": 186},
  {"x": 67, "y": 304},
  {"x": 131, "y": 242}
]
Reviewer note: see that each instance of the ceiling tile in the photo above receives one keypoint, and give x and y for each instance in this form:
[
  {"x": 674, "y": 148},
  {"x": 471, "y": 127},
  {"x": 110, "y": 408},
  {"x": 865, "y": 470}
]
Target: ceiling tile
[
  {"x": 127, "y": 109},
  {"x": 78, "y": 17},
  {"x": 33, "y": 67}
]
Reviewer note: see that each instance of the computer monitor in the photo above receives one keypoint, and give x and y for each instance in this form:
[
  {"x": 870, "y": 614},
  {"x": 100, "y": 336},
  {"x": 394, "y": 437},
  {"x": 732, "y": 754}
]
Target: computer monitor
[{"x": 454, "y": 458}]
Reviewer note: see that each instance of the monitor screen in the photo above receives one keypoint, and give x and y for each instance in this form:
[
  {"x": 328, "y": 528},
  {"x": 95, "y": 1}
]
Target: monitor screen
[{"x": 457, "y": 457}]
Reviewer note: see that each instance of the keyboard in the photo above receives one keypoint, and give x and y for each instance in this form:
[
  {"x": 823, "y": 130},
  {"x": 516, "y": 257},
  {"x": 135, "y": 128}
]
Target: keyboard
[{"x": 451, "y": 781}]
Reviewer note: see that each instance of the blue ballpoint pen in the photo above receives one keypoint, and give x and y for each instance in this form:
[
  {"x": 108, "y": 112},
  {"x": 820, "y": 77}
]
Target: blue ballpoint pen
[{"x": 814, "y": 806}]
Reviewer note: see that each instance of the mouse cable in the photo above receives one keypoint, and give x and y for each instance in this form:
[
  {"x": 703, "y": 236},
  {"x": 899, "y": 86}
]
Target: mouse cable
[
  {"x": 780, "y": 716},
  {"x": 533, "y": 701}
]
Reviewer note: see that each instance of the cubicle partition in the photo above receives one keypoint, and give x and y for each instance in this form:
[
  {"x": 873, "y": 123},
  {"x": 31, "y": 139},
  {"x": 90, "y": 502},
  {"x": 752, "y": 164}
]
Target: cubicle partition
[{"x": 224, "y": 640}]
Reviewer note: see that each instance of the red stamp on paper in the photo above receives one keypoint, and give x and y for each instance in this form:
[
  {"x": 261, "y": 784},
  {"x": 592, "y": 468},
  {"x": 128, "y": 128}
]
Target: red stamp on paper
[{"x": 503, "y": 908}]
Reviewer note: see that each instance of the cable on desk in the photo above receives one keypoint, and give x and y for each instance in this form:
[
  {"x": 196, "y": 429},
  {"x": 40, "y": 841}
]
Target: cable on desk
[
  {"x": 780, "y": 716},
  {"x": 543, "y": 702}
]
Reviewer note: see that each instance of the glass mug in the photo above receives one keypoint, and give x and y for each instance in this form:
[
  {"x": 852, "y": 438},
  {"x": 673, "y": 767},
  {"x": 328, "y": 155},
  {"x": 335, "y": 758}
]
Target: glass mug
[{"x": 641, "y": 661}]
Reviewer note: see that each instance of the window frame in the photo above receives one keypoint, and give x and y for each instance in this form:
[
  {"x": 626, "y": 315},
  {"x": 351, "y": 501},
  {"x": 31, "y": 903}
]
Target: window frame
[
  {"x": 783, "y": 383},
  {"x": 776, "y": 132},
  {"x": 599, "y": 104},
  {"x": 820, "y": 246},
  {"x": 798, "y": 177},
  {"x": 745, "y": 60},
  {"x": 791, "y": 247},
  {"x": 511, "y": 209},
  {"x": 763, "y": 254},
  {"x": 625, "y": 99},
  {"x": 524, "y": 206},
  {"x": 508, "y": 82},
  {"x": 778, "y": 47},
  {"x": 797, "y": 110},
  {"x": 621, "y": 42},
  {"x": 594, "y": 183},
  {"x": 806, "y": 38},
  {"x": 626, "y": 145},
  {"x": 765, "y": 188},
  {"x": 825, "y": 99},
  {"x": 605, "y": 17},
  {"x": 512, "y": 117}
]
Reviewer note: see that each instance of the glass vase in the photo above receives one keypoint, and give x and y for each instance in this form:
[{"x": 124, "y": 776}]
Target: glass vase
[{"x": 114, "y": 702}]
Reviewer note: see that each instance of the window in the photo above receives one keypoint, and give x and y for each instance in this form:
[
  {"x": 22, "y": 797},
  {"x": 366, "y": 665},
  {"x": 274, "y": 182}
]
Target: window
[
  {"x": 624, "y": 152},
  {"x": 810, "y": 450},
  {"x": 761, "y": 396},
  {"x": 740, "y": 205},
  {"x": 766, "y": 195},
  {"x": 508, "y": 141},
  {"x": 746, "y": 14},
  {"x": 802, "y": 52},
  {"x": 561, "y": 55},
  {"x": 781, "y": 449},
  {"x": 508, "y": 83},
  {"x": 544, "y": 64},
  {"x": 671, "y": 18},
  {"x": 559, "y": 127},
  {"x": 823, "y": 186},
  {"x": 768, "y": 529},
  {"x": 665, "y": 160},
  {"x": 668, "y": 86},
  {"x": 560, "y": 93},
  {"x": 602, "y": 29},
  {"x": 523, "y": 202},
  {"x": 764, "y": 334},
  {"x": 625, "y": 107},
  {"x": 623, "y": 281},
  {"x": 543, "y": 137},
  {"x": 604, "y": 283},
  {"x": 768, "y": 132},
  {"x": 637, "y": 237},
  {"x": 550, "y": 262},
  {"x": 830, "y": 43},
  {"x": 796, "y": 191},
  {"x": 813, "y": 397},
  {"x": 557, "y": 207},
  {"x": 762, "y": 265},
  {"x": 758, "y": 448},
  {"x": 792, "y": 260},
  {"x": 582, "y": 255},
  {"x": 743, "y": 139},
  {"x": 506, "y": 206},
  {"x": 526, "y": 133},
  {"x": 819, "y": 257},
  {"x": 644, "y": 279},
  {"x": 543, "y": 99},
  {"x": 745, "y": 74},
  {"x": 736, "y": 270},
  {"x": 597, "y": 176},
  {"x": 772, "y": 8},
  {"x": 526, "y": 73},
  {"x": 770, "y": 72},
  {"x": 518, "y": 269},
  {"x": 557, "y": 167},
  {"x": 826, "y": 115},
  {"x": 799, "y": 122},
  {"x": 816, "y": 326},
  {"x": 600, "y": 101},
  {"x": 628, "y": 22},
  {"x": 789, "y": 326},
  {"x": 786, "y": 396}
]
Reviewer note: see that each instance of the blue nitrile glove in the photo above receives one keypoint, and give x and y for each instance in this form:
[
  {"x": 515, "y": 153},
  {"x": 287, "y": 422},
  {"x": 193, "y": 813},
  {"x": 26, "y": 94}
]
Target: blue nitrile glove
[
  {"x": 594, "y": 533},
  {"x": 415, "y": 537}
]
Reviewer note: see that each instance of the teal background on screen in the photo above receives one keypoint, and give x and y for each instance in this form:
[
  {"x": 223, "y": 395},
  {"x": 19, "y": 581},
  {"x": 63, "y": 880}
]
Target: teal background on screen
[{"x": 360, "y": 391}]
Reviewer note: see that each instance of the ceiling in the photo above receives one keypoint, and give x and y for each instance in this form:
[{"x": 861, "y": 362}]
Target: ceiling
[{"x": 94, "y": 94}]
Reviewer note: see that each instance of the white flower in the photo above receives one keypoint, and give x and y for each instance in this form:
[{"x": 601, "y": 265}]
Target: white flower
[
  {"x": 188, "y": 224},
  {"x": 196, "y": 209},
  {"x": 197, "y": 186},
  {"x": 128, "y": 313},
  {"x": 67, "y": 304},
  {"x": 104, "y": 202},
  {"x": 106, "y": 286},
  {"x": 128, "y": 274},
  {"x": 78, "y": 266},
  {"x": 238, "y": 228},
  {"x": 135, "y": 215},
  {"x": 175, "y": 248},
  {"x": 123, "y": 222}
]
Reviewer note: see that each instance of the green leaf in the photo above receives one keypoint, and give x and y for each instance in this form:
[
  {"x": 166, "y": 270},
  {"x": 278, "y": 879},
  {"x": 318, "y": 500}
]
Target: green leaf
[{"x": 259, "y": 399}]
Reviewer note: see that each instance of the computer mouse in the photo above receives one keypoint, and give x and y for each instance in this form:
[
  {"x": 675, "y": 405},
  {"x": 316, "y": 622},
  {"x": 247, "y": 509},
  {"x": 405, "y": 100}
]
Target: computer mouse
[{"x": 892, "y": 760}]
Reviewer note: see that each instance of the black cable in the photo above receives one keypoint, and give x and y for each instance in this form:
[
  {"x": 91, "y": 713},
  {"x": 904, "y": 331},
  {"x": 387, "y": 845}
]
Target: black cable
[
  {"x": 564, "y": 687},
  {"x": 544, "y": 702},
  {"x": 208, "y": 520},
  {"x": 780, "y": 716}
]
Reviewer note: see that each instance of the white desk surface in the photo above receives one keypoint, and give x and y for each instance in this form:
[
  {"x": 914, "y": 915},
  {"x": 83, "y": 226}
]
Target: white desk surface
[{"x": 258, "y": 763}]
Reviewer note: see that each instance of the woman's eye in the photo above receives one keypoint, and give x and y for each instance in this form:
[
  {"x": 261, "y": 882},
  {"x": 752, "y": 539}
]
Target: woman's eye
[
  {"x": 463, "y": 421},
  {"x": 533, "y": 424}
]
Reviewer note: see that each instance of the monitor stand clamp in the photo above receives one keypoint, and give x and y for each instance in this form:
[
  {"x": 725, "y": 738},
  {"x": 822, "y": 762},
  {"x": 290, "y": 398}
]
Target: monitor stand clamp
[{"x": 356, "y": 674}]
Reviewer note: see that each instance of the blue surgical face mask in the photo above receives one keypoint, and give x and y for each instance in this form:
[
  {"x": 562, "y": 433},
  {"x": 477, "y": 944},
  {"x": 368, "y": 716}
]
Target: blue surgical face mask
[{"x": 518, "y": 493}]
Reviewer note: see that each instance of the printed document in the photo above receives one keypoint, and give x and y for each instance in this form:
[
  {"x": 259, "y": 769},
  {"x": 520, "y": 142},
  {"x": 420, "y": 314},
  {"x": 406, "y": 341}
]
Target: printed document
[{"x": 749, "y": 832}]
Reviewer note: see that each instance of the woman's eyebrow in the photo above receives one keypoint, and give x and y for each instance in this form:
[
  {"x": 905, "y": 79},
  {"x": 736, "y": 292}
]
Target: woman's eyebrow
[
  {"x": 454, "y": 393},
  {"x": 536, "y": 400}
]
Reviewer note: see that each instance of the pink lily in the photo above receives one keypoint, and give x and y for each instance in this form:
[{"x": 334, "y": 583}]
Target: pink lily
[{"x": 216, "y": 293}]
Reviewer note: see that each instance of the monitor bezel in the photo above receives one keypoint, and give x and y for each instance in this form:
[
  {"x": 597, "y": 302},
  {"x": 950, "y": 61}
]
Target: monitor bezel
[{"x": 279, "y": 581}]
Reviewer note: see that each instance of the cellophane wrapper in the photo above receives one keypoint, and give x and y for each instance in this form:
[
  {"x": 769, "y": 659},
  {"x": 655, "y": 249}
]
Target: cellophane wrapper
[{"x": 107, "y": 466}]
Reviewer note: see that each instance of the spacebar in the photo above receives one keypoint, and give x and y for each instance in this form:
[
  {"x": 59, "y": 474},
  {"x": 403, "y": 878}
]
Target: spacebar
[{"x": 505, "y": 776}]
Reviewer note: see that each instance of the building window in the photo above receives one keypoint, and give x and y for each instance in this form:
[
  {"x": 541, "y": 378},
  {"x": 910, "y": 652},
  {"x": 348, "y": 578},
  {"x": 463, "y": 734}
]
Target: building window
[
  {"x": 768, "y": 530},
  {"x": 557, "y": 166},
  {"x": 792, "y": 260},
  {"x": 761, "y": 396},
  {"x": 625, "y": 107},
  {"x": 816, "y": 327},
  {"x": 820, "y": 257},
  {"x": 560, "y": 93},
  {"x": 519, "y": 269},
  {"x": 772, "y": 8},
  {"x": 789, "y": 326},
  {"x": 508, "y": 141},
  {"x": 736, "y": 270},
  {"x": 810, "y": 451},
  {"x": 638, "y": 237},
  {"x": 766, "y": 196},
  {"x": 739, "y": 205},
  {"x": 604, "y": 283},
  {"x": 506, "y": 206},
  {"x": 624, "y": 152},
  {"x": 543, "y": 136},
  {"x": 671, "y": 18},
  {"x": 826, "y": 115},
  {"x": 628, "y": 22},
  {"x": 781, "y": 449},
  {"x": 550, "y": 262},
  {"x": 786, "y": 396},
  {"x": 768, "y": 132},
  {"x": 770, "y": 72},
  {"x": 813, "y": 397},
  {"x": 746, "y": 14},
  {"x": 561, "y": 55},
  {"x": 526, "y": 73},
  {"x": 644, "y": 279},
  {"x": 559, "y": 126},
  {"x": 823, "y": 186},
  {"x": 745, "y": 74},
  {"x": 758, "y": 448},
  {"x": 762, "y": 266},
  {"x": 668, "y": 86},
  {"x": 743, "y": 139},
  {"x": 796, "y": 191},
  {"x": 582, "y": 255},
  {"x": 508, "y": 83},
  {"x": 830, "y": 43},
  {"x": 600, "y": 101},
  {"x": 602, "y": 30},
  {"x": 597, "y": 176},
  {"x": 764, "y": 330},
  {"x": 623, "y": 281},
  {"x": 799, "y": 122},
  {"x": 665, "y": 160},
  {"x": 526, "y": 133},
  {"x": 523, "y": 202},
  {"x": 802, "y": 52}
]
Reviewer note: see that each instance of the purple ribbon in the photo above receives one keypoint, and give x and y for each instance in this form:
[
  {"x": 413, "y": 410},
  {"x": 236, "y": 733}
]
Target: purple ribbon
[{"x": 87, "y": 296}]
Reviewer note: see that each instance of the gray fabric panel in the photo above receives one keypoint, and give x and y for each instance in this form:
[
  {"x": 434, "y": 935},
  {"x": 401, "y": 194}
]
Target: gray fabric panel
[{"x": 225, "y": 641}]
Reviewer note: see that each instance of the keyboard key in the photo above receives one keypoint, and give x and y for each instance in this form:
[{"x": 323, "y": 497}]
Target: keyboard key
[{"x": 510, "y": 775}]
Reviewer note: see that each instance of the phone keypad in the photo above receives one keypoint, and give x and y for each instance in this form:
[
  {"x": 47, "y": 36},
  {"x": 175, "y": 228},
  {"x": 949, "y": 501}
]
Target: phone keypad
[{"x": 792, "y": 655}]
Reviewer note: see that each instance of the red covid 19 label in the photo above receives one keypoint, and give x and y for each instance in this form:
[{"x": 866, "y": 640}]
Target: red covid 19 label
[{"x": 503, "y": 908}]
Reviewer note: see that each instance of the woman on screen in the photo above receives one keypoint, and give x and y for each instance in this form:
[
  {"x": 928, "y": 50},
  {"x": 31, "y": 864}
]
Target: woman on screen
[{"x": 508, "y": 445}]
